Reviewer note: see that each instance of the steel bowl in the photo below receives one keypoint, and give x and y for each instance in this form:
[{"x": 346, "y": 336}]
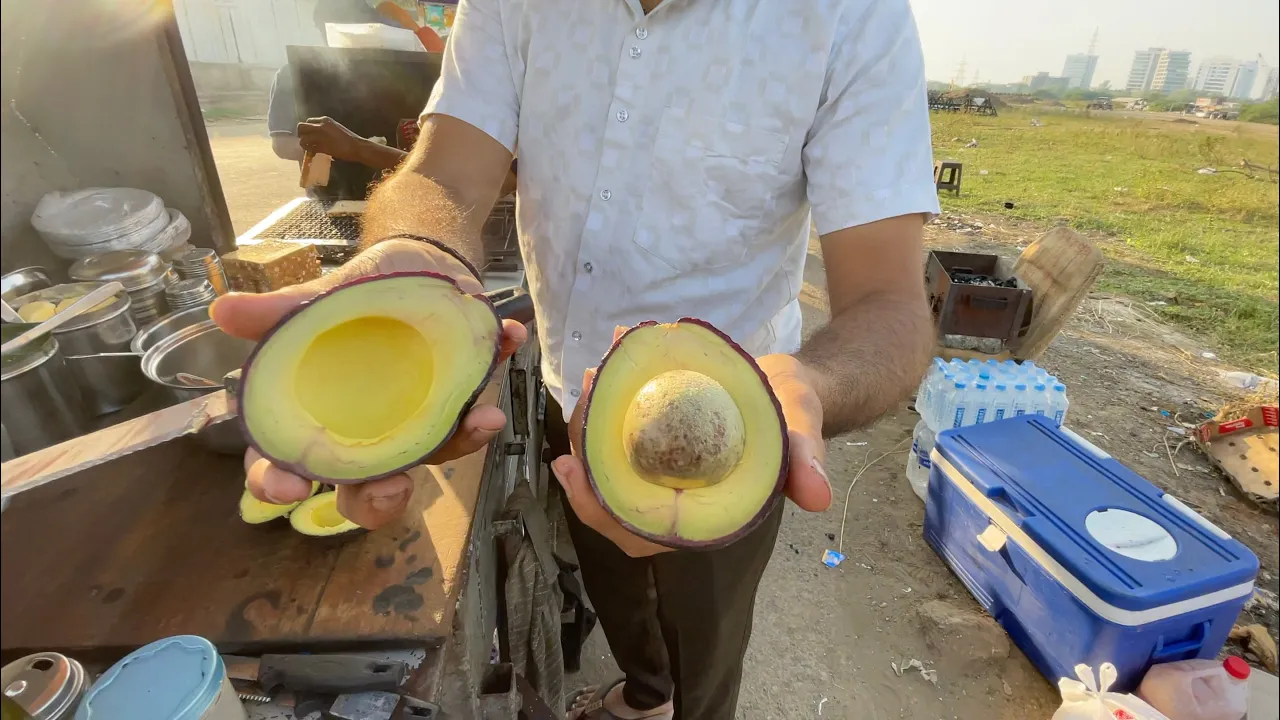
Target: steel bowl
[
  {"x": 170, "y": 324},
  {"x": 205, "y": 351},
  {"x": 20, "y": 282}
]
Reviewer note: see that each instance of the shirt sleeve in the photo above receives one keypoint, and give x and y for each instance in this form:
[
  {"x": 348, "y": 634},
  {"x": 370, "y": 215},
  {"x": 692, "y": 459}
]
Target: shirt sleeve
[
  {"x": 477, "y": 79},
  {"x": 869, "y": 154},
  {"x": 282, "y": 109}
]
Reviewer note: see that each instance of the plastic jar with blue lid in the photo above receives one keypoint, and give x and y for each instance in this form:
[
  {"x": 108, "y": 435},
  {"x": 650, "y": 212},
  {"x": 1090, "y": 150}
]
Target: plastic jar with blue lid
[{"x": 177, "y": 678}]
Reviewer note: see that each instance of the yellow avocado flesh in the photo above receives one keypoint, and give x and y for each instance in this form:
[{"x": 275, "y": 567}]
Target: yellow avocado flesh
[
  {"x": 682, "y": 510},
  {"x": 319, "y": 516},
  {"x": 256, "y": 512},
  {"x": 368, "y": 379}
]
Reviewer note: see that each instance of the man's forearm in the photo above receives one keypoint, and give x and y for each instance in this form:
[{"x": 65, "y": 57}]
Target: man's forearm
[
  {"x": 410, "y": 202},
  {"x": 869, "y": 358},
  {"x": 379, "y": 156}
]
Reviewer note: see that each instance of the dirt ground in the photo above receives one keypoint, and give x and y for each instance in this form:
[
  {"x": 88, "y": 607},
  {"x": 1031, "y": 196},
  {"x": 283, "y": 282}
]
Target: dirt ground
[{"x": 826, "y": 641}]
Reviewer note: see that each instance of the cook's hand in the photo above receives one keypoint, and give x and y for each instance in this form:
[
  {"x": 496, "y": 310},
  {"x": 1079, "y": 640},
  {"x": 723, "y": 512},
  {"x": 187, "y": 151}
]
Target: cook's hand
[
  {"x": 371, "y": 504},
  {"x": 328, "y": 136},
  {"x": 807, "y": 484}
]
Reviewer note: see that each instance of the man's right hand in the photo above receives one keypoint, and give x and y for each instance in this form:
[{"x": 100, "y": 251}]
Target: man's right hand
[{"x": 371, "y": 504}]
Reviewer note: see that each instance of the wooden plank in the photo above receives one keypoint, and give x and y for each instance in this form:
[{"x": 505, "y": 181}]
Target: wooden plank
[{"x": 150, "y": 545}]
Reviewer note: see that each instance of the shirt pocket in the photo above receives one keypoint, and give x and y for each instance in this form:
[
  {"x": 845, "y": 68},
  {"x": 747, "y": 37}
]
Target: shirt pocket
[{"x": 708, "y": 189}]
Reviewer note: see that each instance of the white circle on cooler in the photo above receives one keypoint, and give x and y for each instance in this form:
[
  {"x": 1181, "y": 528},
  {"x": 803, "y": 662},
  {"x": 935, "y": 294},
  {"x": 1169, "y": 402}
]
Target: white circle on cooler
[{"x": 1131, "y": 535}]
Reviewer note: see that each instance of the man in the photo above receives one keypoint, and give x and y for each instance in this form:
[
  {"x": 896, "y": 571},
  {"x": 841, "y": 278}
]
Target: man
[{"x": 672, "y": 153}]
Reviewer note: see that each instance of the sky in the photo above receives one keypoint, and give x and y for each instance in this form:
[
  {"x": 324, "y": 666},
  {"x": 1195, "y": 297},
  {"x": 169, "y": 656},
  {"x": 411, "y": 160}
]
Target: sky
[{"x": 1003, "y": 40}]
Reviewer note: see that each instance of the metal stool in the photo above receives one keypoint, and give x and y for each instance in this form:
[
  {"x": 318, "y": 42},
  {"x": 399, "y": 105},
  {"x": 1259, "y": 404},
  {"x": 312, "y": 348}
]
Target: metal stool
[{"x": 947, "y": 174}]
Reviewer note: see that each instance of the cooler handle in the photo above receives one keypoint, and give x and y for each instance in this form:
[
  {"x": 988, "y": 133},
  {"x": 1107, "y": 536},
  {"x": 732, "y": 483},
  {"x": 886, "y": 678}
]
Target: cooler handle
[
  {"x": 1001, "y": 497},
  {"x": 1182, "y": 649}
]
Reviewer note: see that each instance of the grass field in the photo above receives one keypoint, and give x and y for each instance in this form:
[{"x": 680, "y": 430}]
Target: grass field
[{"x": 1205, "y": 244}]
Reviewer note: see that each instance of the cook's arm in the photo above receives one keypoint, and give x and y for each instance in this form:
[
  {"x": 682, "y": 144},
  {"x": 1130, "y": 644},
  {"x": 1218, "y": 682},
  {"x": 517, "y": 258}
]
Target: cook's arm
[{"x": 447, "y": 186}]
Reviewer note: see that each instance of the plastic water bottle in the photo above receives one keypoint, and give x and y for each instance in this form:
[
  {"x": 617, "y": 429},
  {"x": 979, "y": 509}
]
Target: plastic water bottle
[
  {"x": 981, "y": 403},
  {"x": 1059, "y": 403},
  {"x": 1021, "y": 399},
  {"x": 959, "y": 405},
  {"x": 1001, "y": 403},
  {"x": 1040, "y": 399},
  {"x": 1198, "y": 689},
  {"x": 919, "y": 464}
]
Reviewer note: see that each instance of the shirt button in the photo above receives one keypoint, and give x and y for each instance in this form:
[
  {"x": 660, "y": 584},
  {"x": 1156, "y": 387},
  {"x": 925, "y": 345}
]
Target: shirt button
[
  {"x": 635, "y": 51},
  {"x": 575, "y": 392},
  {"x": 622, "y": 116},
  {"x": 642, "y": 33},
  {"x": 605, "y": 194},
  {"x": 587, "y": 266},
  {"x": 576, "y": 335}
]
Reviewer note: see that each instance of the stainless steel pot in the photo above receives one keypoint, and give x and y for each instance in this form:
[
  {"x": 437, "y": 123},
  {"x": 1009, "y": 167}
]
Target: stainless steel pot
[
  {"x": 144, "y": 274},
  {"x": 40, "y": 402},
  {"x": 168, "y": 325},
  {"x": 106, "y": 383},
  {"x": 20, "y": 282},
  {"x": 205, "y": 351},
  {"x": 48, "y": 685}
]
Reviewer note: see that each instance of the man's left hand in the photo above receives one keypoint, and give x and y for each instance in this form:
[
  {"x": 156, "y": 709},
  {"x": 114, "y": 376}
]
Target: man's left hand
[
  {"x": 328, "y": 136},
  {"x": 807, "y": 484}
]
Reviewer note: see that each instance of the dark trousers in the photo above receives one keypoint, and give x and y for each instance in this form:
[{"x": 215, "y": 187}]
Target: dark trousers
[{"x": 678, "y": 623}]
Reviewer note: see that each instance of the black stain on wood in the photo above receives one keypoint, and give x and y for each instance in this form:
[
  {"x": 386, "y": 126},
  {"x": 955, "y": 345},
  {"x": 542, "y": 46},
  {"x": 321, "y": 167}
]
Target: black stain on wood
[
  {"x": 397, "y": 598},
  {"x": 419, "y": 576},
  {"x": 448, "y": 472},
  {"x": 241, "y": 574},
  {"x": 67, "y": 493},
  {"x": 113, "y": 595},
  {"x": 384, "y": 561},
  {"x": 238, "y": 627},
  {"x": 413, "y": 537},
  {"x": 411, "y": 560}
]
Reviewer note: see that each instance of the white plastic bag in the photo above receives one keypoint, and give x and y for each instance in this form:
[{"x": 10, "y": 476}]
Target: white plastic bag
[{"x": 1087, "y": 699}]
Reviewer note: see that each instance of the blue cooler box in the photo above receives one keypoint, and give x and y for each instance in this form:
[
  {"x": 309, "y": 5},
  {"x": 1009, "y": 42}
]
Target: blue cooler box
[{"x": 1076, "y": 556}]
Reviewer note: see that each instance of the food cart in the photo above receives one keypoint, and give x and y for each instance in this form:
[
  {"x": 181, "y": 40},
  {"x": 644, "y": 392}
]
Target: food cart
[{"x": 113, "y": 555}]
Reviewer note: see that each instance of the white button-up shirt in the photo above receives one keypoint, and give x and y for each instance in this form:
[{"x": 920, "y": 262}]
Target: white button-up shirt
[{"x": 670, "y": 163}]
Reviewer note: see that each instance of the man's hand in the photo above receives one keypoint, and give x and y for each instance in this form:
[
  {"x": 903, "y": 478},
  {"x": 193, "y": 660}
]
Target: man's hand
[
  {"x": 807, "y": 484},
  {"x": 328, "y": 136},
  {"x": 376, "y": 503}
]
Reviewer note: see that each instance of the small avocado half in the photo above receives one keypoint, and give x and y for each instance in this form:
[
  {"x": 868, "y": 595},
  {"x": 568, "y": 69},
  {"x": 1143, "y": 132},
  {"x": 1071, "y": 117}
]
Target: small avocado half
[
  {"x": 318, "y": 516},
  {"x": 684, "y": 441},
  {"x": 256, "y": 512},
  {"x": 370, "y": 378}
]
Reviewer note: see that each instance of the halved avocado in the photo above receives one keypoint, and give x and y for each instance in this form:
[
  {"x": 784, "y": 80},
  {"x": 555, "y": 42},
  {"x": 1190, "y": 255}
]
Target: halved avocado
[
  {"x": 256, "y": 512},
  {"x": 318, "y": 516},
  {"x": 684, "y": 442},
  {"x": 370, "y": 378}
]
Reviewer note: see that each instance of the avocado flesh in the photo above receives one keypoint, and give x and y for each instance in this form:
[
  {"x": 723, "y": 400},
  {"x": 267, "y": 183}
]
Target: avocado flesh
[
  {"x": 256, "y": 512},
  {"x": 370, "y": 378},
  {"x": 698, "y": 480},
  {"x": 318, "y": 516}
]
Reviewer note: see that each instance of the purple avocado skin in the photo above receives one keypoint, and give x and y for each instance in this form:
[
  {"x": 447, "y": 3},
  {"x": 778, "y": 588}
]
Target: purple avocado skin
[
  {"x": 298, "y": 469},
  {"x": 775, "y": 496}
]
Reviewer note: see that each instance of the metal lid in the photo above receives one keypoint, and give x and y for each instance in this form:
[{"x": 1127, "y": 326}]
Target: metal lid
[
  {"x": 105, "y": 310},
  {"x": 189, "y": 289},
  {"x": 47, "y": 685},
  {"x": 26, "y": 357},
  {"x": 135, "y": 269}
]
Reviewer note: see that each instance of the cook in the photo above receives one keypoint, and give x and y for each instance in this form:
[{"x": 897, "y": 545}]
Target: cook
[{"x": 673, "y": 153}]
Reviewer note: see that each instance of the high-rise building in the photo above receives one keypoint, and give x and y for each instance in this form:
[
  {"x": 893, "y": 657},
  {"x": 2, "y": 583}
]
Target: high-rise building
[
  {"x": 1226, "y": 77},
  {"x": 1271, "y": 86},
  {"x": 1159, "y": 70},
  {"x": 1142, "y": 70},
  {"x": 1173, "y": 70},
  {"x": 1078, "y": 70}
]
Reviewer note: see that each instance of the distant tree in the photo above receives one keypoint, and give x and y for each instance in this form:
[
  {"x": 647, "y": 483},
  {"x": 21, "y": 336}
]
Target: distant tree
[
  {"x": 1264, "y": 112},
  {"x": 1045, "y": 94},
  {"x": 1080, "y": 94}
]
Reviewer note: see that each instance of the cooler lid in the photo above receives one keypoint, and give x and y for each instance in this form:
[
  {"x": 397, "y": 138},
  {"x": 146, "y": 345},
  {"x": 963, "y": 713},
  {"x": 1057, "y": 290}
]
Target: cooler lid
[{"x": 1128, "y": 542}]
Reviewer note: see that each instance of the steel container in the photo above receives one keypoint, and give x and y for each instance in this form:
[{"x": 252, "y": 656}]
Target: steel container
[
  {"x": 106, "y": 383},
  {"x": 20, "y": 282},
  {"x": 48, "y": 685},
  {"x": 162, "y": 328},
  {"x": 205, "y": 351},
  {"x": 145, "y": 275},
  {"x": 39, "y": 400}
]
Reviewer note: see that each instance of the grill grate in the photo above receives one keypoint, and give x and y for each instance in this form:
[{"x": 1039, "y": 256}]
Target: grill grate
[{"x": 336, "y": 236}]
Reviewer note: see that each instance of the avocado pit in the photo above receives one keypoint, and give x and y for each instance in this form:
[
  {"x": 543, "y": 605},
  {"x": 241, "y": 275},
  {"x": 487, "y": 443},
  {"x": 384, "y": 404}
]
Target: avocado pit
[{"x": 683, "y": 430}]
